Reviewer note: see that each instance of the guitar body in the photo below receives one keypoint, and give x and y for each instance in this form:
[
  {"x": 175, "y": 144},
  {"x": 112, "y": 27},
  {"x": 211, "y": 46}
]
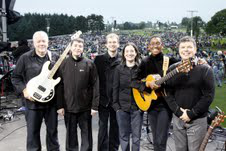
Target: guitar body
[
  {"x": 41, "y": 88},
  {"x": 144, "y": 99}
]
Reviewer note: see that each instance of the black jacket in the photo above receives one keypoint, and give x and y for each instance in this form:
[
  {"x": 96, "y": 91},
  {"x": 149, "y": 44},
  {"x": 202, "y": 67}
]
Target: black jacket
[
  {"x": 28, "y": 66},
  {"x": 78, "y": 90},
  {"x": 105, "y": 67},
  {"x": 193, "y": 90},
  {"x": 122, "y": 92},
  {"x": 150, "y": 65}
]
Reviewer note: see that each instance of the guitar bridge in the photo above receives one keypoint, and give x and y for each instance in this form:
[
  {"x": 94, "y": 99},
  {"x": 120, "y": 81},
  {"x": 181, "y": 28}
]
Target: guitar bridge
[{"x": 37, "y": 96}]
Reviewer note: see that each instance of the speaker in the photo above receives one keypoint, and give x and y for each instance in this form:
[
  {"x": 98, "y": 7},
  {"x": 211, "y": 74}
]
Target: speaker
[
  {"x": 9, "y": 4},
  {"x": 12, "y": 16}
]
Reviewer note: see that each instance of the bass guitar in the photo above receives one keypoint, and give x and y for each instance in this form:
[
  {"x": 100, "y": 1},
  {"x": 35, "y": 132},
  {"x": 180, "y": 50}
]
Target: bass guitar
[
  {"x": 144, "y": 99},
  {"x": 41, "y": 87}
]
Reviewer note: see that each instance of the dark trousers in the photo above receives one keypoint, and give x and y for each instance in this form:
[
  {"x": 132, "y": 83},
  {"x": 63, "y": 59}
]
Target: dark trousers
[
  {"x": 84, "y": 120},
  {"x": 130, "y": 122},
  {"x": 160, "y": 120},
  {"x": 34, "y": 120},
  {"x": 107, "y": 141}
]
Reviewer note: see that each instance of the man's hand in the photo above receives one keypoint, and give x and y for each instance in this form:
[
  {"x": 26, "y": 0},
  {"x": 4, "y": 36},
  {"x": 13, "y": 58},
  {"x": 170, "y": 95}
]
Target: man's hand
[
  {"x": 27, "y": 96},
  {"x": 61, "y": 112},
  {"x": 152, "y": 85},
  {"x": 93, "y": 112},
  {"x": 202, "y": 61},
  {"x": 184, "y": 116},
  {"x": 156, "y": 76}
]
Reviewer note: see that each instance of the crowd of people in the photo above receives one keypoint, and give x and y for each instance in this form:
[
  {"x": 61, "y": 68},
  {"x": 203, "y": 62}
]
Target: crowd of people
[
  {"x": 98, "y": 77},
  {"x": 95, "y": 44}
]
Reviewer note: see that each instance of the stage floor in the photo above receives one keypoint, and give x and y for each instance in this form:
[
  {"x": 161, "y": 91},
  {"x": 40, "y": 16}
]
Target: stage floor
[{"x": 13, "y": 134}]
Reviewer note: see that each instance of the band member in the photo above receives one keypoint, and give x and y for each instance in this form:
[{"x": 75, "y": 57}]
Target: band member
[
  {"x": 189, "y": 97},
  {"x": 78, "y": 96},
  {"x": 28, "y": 66},
  {"x": 127, "y": 112},
  {"x": 159, "y": 113},
  {"x": 106, "y": 64}
]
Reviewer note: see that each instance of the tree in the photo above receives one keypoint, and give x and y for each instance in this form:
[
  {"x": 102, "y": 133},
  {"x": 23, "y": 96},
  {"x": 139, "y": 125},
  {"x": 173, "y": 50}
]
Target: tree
[
  {"x": 217, "y": 23},
  {"x": 95, "y": 22},
  {"x": 197, "y": 23},
  {"x": 81, "y": 23},
  {"x": 127, "y": 26},
  {"x": 142, "y": 25},
  {"x": 186, "y": 21}
]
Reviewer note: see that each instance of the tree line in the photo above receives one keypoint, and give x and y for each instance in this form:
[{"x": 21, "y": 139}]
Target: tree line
[{"x": 58, "y": 24}]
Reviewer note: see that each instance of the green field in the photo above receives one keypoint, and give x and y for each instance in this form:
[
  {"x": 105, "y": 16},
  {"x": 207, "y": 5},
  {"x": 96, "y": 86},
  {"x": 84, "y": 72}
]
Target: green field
[{"x": 220, "y": 100}]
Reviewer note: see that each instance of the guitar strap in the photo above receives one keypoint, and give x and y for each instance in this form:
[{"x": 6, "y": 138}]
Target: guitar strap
[
  {"x": 50, "y": 55},
  {"x": 165, "y": 64},
  {"x": 165, "y": 67}
]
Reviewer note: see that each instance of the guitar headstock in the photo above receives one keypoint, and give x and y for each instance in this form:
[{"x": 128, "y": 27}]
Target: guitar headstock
[
  {"x": 218, "y": 119},
  {"x": 184, "y": 66},
  {"x": 76, "y": 35}
]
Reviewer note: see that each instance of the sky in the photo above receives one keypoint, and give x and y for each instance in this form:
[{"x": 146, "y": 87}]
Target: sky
[{"x": 125, "y": 10}]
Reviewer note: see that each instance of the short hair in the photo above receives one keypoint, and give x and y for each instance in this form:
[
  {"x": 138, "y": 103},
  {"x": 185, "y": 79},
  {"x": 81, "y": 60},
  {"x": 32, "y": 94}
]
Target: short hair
[
  {"x": 40, "y": 33},
  {"x": 187, "y": 39},
  {"x": 112, "y": 35},
  {"x": 137, "y": 59},
  {"x": 79, "y": 40}
]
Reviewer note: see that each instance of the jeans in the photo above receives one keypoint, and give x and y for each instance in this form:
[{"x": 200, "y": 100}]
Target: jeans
[
  {"x": 160, "y": 120},
  {"x": 189, "y": 136},
  {"x": 129, "y": 122}
]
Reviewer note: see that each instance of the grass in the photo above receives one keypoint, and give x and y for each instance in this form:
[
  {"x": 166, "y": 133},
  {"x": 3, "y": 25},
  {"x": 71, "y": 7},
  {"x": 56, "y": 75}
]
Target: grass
[{"x": 220, "y": 100}]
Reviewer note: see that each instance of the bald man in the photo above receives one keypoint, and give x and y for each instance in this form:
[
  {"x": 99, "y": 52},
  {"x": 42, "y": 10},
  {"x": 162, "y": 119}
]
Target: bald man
[{"x": 28, "y": 66}]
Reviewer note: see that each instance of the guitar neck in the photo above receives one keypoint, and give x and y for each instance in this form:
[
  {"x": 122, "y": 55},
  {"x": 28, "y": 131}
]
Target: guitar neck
[
  {"x": 206, "y": 138},
  {"x": 59, "y": 61},
  {"x": 167, "y": 77}
]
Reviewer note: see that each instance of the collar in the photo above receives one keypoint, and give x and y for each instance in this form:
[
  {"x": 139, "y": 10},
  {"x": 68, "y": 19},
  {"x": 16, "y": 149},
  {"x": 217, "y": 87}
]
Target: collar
[
  {"x": 157, "y": 57},
  {"x": 125, "y": 66},
  {"x": 79, "y": 58},
  {"x": 34, "y": 54},
  {"x": 109, "y": 57}
]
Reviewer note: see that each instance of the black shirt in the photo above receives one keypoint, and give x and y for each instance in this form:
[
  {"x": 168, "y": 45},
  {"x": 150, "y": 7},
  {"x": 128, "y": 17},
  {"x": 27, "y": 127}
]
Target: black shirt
[
  {"x": 193, "y": 90},
  {"x": 151, "y": 65}
]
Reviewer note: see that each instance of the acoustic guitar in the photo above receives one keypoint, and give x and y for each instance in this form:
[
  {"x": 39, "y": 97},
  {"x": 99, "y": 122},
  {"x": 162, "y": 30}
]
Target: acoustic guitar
[
  {"x": 41, "y": 87},
  {"x": 144, "y": 99}
]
